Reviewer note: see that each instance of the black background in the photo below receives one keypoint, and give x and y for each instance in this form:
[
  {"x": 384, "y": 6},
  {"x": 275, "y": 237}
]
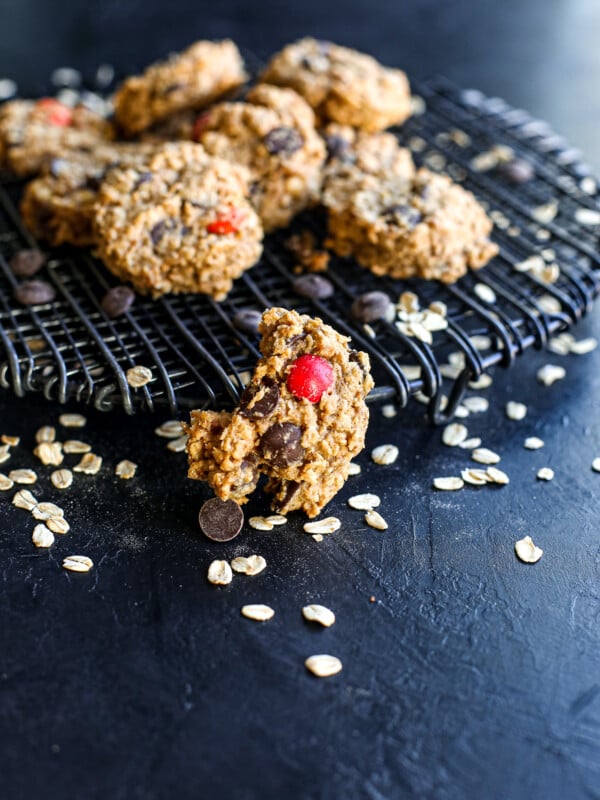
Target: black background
[{"x": 471, "y": 676}]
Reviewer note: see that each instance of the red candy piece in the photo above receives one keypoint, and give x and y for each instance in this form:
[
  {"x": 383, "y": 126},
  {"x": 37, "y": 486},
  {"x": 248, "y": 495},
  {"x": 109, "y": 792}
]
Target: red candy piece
[
  {"x": 199, "y": 125},
  {"x": 57, "y": 113},
  {"x": 226, "y": 223},
  {"x": 310, "y": 377}
]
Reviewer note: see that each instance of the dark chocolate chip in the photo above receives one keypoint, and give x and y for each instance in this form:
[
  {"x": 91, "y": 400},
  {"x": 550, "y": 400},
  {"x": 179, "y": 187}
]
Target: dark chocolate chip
[
  {"x": 117, "y": 301},
  {"x": 517, "y": 171},
  {"x": 314, "y": 286},
  {"x": 408, "y": 215},
  {"x": 283, "y": 141},
  {"x": 260, "y": 399},
  {"x": 221, "y": 520},
  {"x": 291, "y": 489},
  {"x": 185, "y": 230},
  {"x": 247, "y": 320},
  {"x": 371, "y": 306},
  {"x": 175, "y": 87},
  {"x": 280, "y": 444},
  {"x": 248, "y": 477},
  {"x": 34, "y": 293},
  {"x": 26, "y": 263},
  {"x": 340, "y": 148},
  {"x": 158, "y": 231},
  {"x": 143, "y": 178},
  {"x": 359, "y": 359},
  {"x": 299, "y": 337},
  {"x": 93, "y": 182}
]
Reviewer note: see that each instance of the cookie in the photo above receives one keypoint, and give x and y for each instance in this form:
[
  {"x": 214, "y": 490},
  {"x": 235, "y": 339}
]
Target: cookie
[
  {"x": 425, "y": 226},
  {"x": 192, "y": 79},
  {"x": 59, "y": 205},
  {"x": 179, "y": 222},
  {"x": 273, "y": 134},
  {"x": 342, "y": 85},
  {"x": 300, "y": 421},
  {"x": 33, "y": 131}
]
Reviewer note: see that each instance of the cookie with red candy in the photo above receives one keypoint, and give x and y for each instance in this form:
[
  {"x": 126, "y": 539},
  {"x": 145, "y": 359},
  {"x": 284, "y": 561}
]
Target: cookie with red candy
[{"x": 300, "y": 421}]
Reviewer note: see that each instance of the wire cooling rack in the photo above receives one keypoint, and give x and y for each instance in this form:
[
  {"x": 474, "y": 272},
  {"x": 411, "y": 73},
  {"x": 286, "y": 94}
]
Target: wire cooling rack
[{"x": 69, "y": 349}]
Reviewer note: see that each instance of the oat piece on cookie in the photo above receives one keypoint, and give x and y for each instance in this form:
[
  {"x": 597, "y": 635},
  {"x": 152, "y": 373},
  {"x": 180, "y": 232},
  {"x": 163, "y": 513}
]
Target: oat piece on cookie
[
  {"x": 273, "y": 134},
  {"x": 342, "y": 85},
  {"x": 204, "y": 72},
  {"x": 33, "y": 131},
  {"x": 425, "y": 226},
  {"x": 58, "y": 206},
  {"x": 300, "y": 421},
  {"x": 179, "y": 222}
]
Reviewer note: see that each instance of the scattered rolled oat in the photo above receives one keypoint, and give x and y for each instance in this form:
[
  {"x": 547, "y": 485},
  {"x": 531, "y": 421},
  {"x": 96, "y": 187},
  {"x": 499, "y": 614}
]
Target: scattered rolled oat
[
  {"x": 321, "y": 614},
  {"x": 389, "y": 411},
  {"x": 454, "y": 434},
  {"x": 484, "y": 456},
  {"x": 545, "y": 474},
  {"x": 385, "y": 454},
  {"x": 584, "y": 346},
  {"x": 550, "y": 373},
  {"x": 11, "y": 441},
  {"x": 219, "y": 573},
  {"x": 549, "y": 304},
  {"x": 484, "y": 381},
  {"x": 527, "y": 551},
  {"x": 177, "y": 445},
  {"x": 45, "y": 434},
  {"x": 476, "y": 405},
  {"x": 77, "y": 447},
  {"x": 58, "y": 524},
  {"x": 4, "y": 453},
  {"x": 252, "y": 565},
  {"x": 6, "y": 483},
  {"x": 24, "y": 499},
  {"x": 49, "y": 453},
  {"x": 364, "y": 502},
  {"x": 375, "y": 520},
  {"x": 45, "y": 511},
  {"x": 587, "y": 216},
  {"x": 318, "y": 537},
  {"x": 276, "y": 519},
  {"x": 354, "y": 468},
  {"x": 485, "y": 292},
  {"x": 497, "y": 476},
  {"x": 138, "y": 376},
  {"x": 596, "y": 465},
  {"x": 72, "y": 420},
  {"x": 481, "y": 342},
  {"x": 545, "y": 213},
  {"x": 461, "y": 412},
  {"x": 125, "y": 469},
  {"x": 258, "y": 612},
  {"x": 22, "y": 476},
  {"x": 325, "y": 525},
  {"x": 533, "y": 443},
  {"x": 448, "y": 484},
  {"x": 78, "y": 563},
  {"x": 41, "y": 536},
  {"x": 323, "y": 666},
  {"x": 61, "y": 478},
  {"x": 516, "y": 411},
  {"x": 476, "y": 477},
  {"x": 89, "y": 464},
  {"x": 260, "y": 524},
  {"x": 470, "y": 444},
  {"x": 172, "y": 429}
]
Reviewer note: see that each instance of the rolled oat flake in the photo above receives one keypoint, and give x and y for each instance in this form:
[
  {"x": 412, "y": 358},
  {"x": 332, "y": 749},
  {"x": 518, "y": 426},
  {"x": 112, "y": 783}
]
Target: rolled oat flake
[{"x": 221, "y": 520}]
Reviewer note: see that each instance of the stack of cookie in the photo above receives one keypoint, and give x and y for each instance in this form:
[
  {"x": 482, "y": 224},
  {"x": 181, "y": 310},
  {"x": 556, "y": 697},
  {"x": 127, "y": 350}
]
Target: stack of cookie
[{"x": 176, "y": 192}]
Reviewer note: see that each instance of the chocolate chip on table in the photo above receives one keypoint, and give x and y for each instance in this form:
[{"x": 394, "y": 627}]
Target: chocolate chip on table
[
  {"x": 221, "y": 520},
  {"x": 371, "y": 306},
  {"x": 117, "y": 301},
  {"x": 247, "y": 320},
  {"x": 314, "y": 286},
  {"x": 259, "y": 400},
  {"x": 517, "y": 171},
  {"x": 26, "y": 263},
  {"x": 280, "y": 444},
  {"x": 283, "y": 141},
  {"x": 34, "y": 293}
]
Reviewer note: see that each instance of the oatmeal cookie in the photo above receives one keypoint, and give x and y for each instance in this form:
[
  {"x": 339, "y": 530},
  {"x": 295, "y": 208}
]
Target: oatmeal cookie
[
  {"x": 179, "y": 222},
  {"x": 273, "y": 134},
  {"x": 342, "y": 85},
  {"x": 33, "y": 131},
  {"x": 426, "y": 226},
  {"x": 192, "y": 79},
  {"x": 300, "y": 421}
]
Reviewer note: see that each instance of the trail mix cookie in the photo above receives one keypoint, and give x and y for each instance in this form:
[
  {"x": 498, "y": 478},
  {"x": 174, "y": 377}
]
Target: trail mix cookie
[
  {"x": 179, "y": 222},
  {"x": 273, "y": 135},
  {"x": 192, "y": 79},
  {"x": 300, "y": 421},
  {"x": 32, "y": 131},
  {"x": 349, "y": 149},
  {"x": 342, "y": 85},
  {"x": 59, "y": 205},
  {"x": 426, "y": 226}
]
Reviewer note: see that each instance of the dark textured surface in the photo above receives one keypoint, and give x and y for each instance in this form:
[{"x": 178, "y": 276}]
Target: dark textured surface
[{"x": 471, "y": 676}]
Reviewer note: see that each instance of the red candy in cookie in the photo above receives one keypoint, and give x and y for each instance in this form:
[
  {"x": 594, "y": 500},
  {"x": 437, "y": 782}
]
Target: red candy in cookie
[
  {"x": 226, "y": 223},
  {"x": 57, "y": 113},
  {"x": 309, "y": 377},
  {"x": 200, "y": 124}
]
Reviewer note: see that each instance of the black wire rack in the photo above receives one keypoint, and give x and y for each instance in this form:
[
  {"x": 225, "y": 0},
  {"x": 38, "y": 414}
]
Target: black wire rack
[{"x": 69, "y": 349}]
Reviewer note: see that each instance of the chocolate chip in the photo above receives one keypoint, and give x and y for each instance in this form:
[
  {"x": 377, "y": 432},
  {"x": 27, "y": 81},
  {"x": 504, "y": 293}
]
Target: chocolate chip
[
  {"x": 248, "y": 477},
  {"x": 283, "y": 141},
  {"x": 25, "y": 263},
  {"x": 117, "y": 301},
  {"x": 247, "y": 320},
  {"x": 34, "y": 293},
  {"x": 299, "y": 337},
  {"x": 399, "y": 212},
  {"x": 92, "y": 182},
  {"x": 175, "y": 87},
  {"x": 517, "y": 171},
  {"x": 143, "y": 178},
  {"x": 280, "y": 444},
  {"x": 291, "y": 489},
  {"x": 313, "y": 286},
  {"x": 221, "y": 520},
  {"x": 260, "y": 399},
  {"x": 340, "y": 148},
  {"x": 371, "y": 306},
  {"x": 358, "y": 358},
  {"x": 158, "y": 231}
]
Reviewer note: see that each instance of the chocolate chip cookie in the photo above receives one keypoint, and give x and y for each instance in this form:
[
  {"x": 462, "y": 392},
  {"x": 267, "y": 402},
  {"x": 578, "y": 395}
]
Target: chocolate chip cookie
[
  {"x": 425, "y": 226},
  {"x": 273, "y": 135},
  {"x": 342, "y": 85},
  {"x": 33, "y": 131},
  {"x": 300, "y": 421},
  {"x": 192, "y": 79},
  {"x": 179, "y": 222}
]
